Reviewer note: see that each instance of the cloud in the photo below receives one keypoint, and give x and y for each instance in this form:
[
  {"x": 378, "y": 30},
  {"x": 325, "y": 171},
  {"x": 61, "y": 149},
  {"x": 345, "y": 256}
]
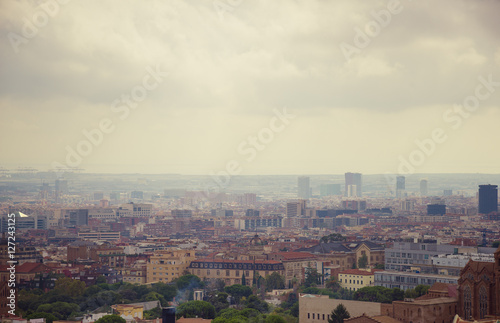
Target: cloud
[{"x": 227, "y": 74}]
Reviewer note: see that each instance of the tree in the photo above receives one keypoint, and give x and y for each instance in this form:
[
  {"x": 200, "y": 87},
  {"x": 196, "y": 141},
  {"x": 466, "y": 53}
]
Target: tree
[
  {"x": 421, "y": 290},
  {"x": 339, "y": 314},
  {"x": 255, "y": 303},
  {"x": 49, "y": 318},
  {"x": 191, "y": 309},
  {"x": 167, "y": 291},
  {"x": 313, "y": 278},
  {"x": 219, "y": 285},
  {"x": 218, "y": 300},
  {"x": 152, "y": 313},
  {"x": 61, "y": 310},
  {"x": 101, "y": 280},
  {"x": 275, "y": 281},
  {"x": 112, "y": 318},
  {"x": 188, "y": 282},
  {"x": 274, "y": 319},
  {"x": 333, "y": 284},
  {"x": 496, "y": 244},
  {"x": 238, "y": 291},
  {"x": 411, "y": 293},
  {"x": 243, "y": 280},
  {"x": 379, "y": 266},
  {"x": 70, "y": 287},
  {"x": 363, "y": 261}
]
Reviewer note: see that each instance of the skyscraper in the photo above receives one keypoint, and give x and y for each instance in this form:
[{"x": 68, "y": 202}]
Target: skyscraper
[
  {"x": 400, "y": 186},
  {"x": 303, "y": 185},
  {"x": 488, "y": 199},
  {"x": 353, "y": 186},
  {"x": 423, "y": 187}
]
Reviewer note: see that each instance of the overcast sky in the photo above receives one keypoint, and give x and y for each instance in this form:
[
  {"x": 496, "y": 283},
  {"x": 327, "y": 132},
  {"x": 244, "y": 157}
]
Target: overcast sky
[{"x": 217, "y": 72}]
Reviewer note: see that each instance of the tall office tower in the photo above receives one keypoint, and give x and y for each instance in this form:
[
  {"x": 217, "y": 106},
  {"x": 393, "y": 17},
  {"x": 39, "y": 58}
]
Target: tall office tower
[
  {"x": 488, "y": 199},
  {"x": 296, "y": 209},
  {"x": 303, "y": 185},
  {"x": 400, "y": 186},
  {"x": 61, "y": 188},
  {"x": 423, "y": 187},
  {"x": 353, "y": 185}
]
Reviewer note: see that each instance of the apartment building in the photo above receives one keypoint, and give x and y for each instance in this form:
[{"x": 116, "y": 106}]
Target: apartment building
[{"x": 167, "y": 265}]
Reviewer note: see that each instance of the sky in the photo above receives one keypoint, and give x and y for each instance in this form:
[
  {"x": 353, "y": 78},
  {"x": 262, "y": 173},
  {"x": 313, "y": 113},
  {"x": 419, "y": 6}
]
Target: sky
[{"x": 250, "y": 86}]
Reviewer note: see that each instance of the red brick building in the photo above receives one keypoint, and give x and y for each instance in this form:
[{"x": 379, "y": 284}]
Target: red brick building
[{"x": 479, "y": 289}]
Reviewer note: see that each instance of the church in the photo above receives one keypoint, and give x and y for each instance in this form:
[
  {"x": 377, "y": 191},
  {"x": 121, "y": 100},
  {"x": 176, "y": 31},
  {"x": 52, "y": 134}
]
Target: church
[{"x": 479, "y": 290}]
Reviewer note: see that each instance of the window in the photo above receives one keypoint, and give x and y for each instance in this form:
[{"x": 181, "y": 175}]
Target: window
[
  {"x": 467, "y": 303},
  {"x": 483, "y": 302}
]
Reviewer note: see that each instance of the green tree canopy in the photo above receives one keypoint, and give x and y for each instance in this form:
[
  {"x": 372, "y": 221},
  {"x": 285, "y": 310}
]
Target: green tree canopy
[
  {"x": 61, "y": 310},
  {"x": 339, "y": 314},
  {"x": 363, "y": 261},
  {"x": 188, "y": 282},
  {"x": 70, "y": 287},
  {"x": 111, "y": 319},
  {"x": 313, "y": 278},
  {"x": 238, "y": 291},
  {"x": 274, "y": 319},
  {"x": 421, "y": 290},
  {"x": 196, "y": 309},
  {"x": 275, "y": 281}
]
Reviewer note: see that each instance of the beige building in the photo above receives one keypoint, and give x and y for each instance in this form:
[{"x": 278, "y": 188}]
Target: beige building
[
  {"x": 295, "y": 265},
  {"x": 354, "y": 279},
  {"x": 167, "y": 265},
  {"x": 136, "y": 274},
  {"x": 232, "y": 271},
  {"x": 317, "y": 308}
]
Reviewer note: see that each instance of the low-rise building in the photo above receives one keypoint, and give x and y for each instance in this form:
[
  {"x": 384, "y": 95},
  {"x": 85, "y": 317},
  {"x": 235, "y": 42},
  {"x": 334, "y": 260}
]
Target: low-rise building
[
  {"x": 167, "y": 265},
  {"x": 409, "y": 280},
  {"x": 354, "y": 279},
  {"x": 232, "y": 271}
]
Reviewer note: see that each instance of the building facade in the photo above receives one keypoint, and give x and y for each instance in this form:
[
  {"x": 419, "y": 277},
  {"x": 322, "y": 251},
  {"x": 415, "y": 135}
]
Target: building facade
[
  {"x": 167, "y": 265},
  {"x": 479, "y": 289},
  {"x": 232, "y": 271}
]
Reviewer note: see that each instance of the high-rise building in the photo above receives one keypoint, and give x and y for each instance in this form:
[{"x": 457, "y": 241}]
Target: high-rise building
[
  {"x": 303, "y": 187},
  {"x": 447, "y": 192},
  {"x": 436, "y": 209},
  {"x": 137, "y": 195},
  {"x": 488, "y": 199},
  {"x": 353, "y": 185},
  {"x": 252, "y": 212},
  {"x": 296, "y": 209},
  {"x": 423, "y": 187},
  {"x": 400, "y": 186}
]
